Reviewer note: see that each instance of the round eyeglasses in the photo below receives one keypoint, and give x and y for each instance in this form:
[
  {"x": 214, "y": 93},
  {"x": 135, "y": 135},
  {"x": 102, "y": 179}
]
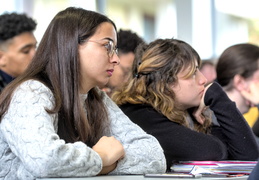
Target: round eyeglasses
[{"x": 111, "y": 48}]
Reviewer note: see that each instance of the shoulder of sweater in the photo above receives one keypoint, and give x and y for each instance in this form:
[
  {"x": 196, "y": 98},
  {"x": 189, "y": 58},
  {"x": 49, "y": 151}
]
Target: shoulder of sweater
[
  {"x": 34, "y": 85},
  {"x": 33, "y": 88}
]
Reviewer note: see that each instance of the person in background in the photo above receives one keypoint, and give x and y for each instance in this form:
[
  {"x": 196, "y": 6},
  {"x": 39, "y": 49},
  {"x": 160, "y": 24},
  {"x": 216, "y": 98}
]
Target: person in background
[
  {"x": 17, "y": 45},
  {"x": 208, "y": 69},
  {"x": 167, "y": 97},
  {"x": 127, "y": 43},
  {"x": 56, "y": 122},
  {"x": 238, "y": 73}
]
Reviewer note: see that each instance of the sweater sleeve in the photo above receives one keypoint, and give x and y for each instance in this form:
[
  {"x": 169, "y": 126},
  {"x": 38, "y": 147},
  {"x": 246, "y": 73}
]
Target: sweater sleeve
[
  {"x": 143, "y": 153},
  {"x": 31, "y": 135},
  {"x": 237, "y": 134}
]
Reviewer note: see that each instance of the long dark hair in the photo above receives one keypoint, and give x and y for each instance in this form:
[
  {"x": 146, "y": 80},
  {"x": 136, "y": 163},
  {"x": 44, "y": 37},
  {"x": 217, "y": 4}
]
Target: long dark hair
[
  {"x": 239, "y": 59},
  {"x": 56, "y": 64}
]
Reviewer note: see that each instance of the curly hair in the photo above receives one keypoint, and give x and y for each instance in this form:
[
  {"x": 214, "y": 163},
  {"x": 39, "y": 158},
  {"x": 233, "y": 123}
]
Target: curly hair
[
  {"x": 128, "y": 41},
  {"x": 155, "y": 69},
  {"x": 13, "y": 24}
]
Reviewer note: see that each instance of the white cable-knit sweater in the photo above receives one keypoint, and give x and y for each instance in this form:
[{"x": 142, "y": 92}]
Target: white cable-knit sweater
[{"x": 31, "y": 148}]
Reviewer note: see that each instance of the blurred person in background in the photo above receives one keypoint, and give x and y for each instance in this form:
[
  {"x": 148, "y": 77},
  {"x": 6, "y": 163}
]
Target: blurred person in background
[
  {"x": 238, "y": 73},
  {"x": 17, "y": 45},
  {"x": 208, "y": 69},
  {"x": 127, "y": 43}
]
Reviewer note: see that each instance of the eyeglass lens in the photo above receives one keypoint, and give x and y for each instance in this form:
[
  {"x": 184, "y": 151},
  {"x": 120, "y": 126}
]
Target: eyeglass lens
[{"x": 111, "y": 48}]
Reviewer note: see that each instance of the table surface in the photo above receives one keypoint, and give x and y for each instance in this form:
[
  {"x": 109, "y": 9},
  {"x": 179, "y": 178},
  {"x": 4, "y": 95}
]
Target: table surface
[{"x": 141, "y": 177}]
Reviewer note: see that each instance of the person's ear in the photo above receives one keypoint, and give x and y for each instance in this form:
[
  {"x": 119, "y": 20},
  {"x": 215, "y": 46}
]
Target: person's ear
[
  {"x": 239, "y": 82},
  {"x": 2, "y": 58}
]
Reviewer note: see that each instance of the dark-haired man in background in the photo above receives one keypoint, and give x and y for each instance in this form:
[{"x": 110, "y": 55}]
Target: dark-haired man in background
[
  {"x": 17, "y": 45},
  {"x": 127, "y": 43}
]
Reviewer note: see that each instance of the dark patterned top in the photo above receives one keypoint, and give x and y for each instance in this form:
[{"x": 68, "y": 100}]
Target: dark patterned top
[
  {"x": 4, "y": 80},
  {"x": 232, "y": 139}
]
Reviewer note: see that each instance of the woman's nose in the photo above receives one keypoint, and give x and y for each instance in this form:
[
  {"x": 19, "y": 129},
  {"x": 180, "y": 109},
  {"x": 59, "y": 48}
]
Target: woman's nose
[
  {"x": 115, "y": 59},
  {"x": 203, "y": 79}
]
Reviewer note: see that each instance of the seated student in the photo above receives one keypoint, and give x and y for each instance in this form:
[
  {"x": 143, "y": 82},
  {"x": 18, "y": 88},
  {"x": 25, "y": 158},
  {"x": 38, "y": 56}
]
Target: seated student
[
  {"x": 208, "y": 69},
  {"x": 17, "y": 45},
  {"x": 55, "y": 122},
  {"x": 127, "y": 43},
  {"x": 238, "y": 73},
  {"x": 167, "y": 97}
]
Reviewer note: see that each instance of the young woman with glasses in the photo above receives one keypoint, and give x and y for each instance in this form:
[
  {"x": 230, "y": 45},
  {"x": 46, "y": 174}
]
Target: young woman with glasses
[{"x": 55, "y": 122}]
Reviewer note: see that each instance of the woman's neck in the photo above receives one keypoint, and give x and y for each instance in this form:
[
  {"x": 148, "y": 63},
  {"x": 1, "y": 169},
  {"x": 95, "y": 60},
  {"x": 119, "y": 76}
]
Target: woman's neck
[{"x": 240, "y": 101}]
